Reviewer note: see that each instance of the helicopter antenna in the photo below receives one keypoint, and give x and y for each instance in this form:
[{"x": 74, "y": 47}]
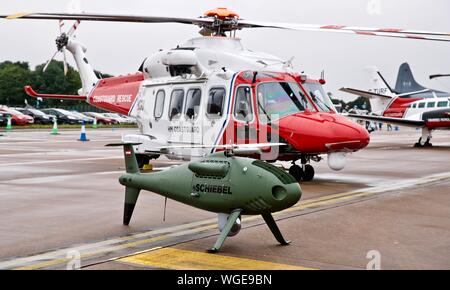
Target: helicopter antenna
[{"x": 165, "y": 206}]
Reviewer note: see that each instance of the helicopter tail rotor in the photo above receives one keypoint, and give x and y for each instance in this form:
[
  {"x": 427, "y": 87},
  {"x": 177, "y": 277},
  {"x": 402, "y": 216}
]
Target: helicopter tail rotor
[{"x": 61, "y": 42}]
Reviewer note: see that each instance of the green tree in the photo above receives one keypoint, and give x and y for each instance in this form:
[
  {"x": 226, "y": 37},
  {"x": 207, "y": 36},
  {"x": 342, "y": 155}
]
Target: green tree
[
  {"x": 13, "y": 77},
  {"x": 360, "y": 103},
  {"x": 53, "y": 81}
]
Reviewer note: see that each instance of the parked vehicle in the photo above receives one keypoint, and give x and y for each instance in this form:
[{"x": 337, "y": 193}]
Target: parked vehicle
[
  {"x": 101, "y": 120},
  {"x": 120, "y": 119},
  {"x": 3, "y": 119},
  {"x": 17, "y": 118},
  {"x": 63, "y": 116},
  {"x": 39, "y": 116},
  {"x": 86, "y": 119}
]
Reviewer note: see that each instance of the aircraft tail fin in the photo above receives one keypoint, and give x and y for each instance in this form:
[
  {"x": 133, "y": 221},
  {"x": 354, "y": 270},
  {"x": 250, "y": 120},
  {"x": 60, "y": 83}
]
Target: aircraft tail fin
[
  {"x": 131, "y": 163},
  {"x": 405, "y": 80},
  {"x": 131, "y": 193},
  {"x": 377, "y": 83}
]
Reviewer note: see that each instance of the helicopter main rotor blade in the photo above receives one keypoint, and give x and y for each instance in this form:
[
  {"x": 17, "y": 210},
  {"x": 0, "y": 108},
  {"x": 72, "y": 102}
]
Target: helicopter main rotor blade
[
  {"x": 370, "y": 31},
  {"x": 236, "y": 23},
  {"x": 109, "y": 17}
]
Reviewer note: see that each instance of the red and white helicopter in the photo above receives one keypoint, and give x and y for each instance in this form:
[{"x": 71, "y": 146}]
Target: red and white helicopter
[
  {"x": 411, "y": 109},
  {"x": 211, "y": 93}
]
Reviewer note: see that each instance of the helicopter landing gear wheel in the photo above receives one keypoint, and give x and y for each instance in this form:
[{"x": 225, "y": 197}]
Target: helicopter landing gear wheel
[
  {"x": 424, "y": 140},
  {"x": 142, "y": 160},
  {"x": 308, "y": 173},
  {"x": 421, "y": 144},
  {"x": 296, "y": 171}
]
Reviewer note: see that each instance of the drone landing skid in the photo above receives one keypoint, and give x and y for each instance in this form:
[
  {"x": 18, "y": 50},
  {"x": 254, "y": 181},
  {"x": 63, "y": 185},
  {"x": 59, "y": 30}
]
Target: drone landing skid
[
  {"x": 268, "y": 218},
  {"x": 226, "y": 230}
]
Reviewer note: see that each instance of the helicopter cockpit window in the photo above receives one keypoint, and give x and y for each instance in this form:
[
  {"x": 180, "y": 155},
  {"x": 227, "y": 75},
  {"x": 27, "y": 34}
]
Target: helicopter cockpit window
[
  {"x": 243, "y": 105},
  {"x": 215, "y": 102},
  {"x": 176, "y": 104},
  {"x": 193, "y": 98},
  {"x": 159, "y": 104},
  {"x": 279, "y": 99},
  {"x": 319, "y": 97}
]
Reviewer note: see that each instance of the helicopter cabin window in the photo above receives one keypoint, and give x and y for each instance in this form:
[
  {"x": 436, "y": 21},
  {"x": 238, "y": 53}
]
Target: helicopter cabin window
[
  {"x": 279, "y": 99},
  {"x": 414, "y": 105},
  {"x": 243, "y": 104},
  {"x": 159, "y": 104},
  {"x": 442, "y": 104},
  {"x": 193, "y": 98},
  {"x": 431, "y": 104},
  {"x": 176, "y": 104},
  {"x": 216, "y": 99},
  {"x": 319, "y": 97},
  {"x": 421, "y": 105}
]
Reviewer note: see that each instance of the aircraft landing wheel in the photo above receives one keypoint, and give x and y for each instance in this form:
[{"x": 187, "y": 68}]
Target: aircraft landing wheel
[
  {"x": 308, "y": 174},
  {"x": 428, "y": 143},
  {"x": 296, "y": 171},
  {"x": 142, "y": 160},
  {"x": 419, "y": 144}
]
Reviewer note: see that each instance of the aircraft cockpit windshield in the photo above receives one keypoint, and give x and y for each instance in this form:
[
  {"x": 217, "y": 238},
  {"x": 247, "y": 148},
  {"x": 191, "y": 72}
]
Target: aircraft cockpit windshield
[
  {"x": 276, "y": 100},
  {"x": 319, "y": 97}
]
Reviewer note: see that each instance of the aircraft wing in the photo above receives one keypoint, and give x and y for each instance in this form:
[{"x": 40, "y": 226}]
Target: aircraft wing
[
  {"x": 388, "y": 120},
  {"x": 364, "y": 93}
]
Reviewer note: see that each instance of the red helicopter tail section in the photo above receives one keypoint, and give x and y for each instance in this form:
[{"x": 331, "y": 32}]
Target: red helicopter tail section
[
  {"x": 32, "y": 93},
  {"x": 115, "y": 94}
]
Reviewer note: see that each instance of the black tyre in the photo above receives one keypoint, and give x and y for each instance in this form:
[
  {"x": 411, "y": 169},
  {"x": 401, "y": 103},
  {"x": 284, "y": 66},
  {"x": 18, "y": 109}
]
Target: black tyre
[
  {"x": 296, "y": 171},
  {"x": 142, "y": 160},
  {"x": 308, "y": 174}
]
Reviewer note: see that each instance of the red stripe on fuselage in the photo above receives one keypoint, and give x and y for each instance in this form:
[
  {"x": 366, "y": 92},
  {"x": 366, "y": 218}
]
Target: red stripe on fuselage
[
  {"x": 398, "y": 107},
  {"x": 116, "y": 94}
]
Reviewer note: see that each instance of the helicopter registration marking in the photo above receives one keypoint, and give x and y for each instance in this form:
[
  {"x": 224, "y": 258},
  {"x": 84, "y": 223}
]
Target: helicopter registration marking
[{"x": 112, "y": 99}]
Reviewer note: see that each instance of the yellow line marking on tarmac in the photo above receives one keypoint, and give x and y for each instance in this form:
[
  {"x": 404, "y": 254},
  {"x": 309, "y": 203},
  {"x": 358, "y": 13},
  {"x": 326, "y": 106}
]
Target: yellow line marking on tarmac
[
  {"x": 59, "y": 256},
  {"x": 115, "y": 248},
  {"x": 171, "y": 258}
]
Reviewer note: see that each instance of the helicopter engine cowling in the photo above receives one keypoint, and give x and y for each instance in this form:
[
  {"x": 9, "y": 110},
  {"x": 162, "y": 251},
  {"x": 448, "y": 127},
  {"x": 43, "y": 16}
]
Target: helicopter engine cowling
[
  {"x": 172, "y": 63},
  {"x": 222, "y": 220}
]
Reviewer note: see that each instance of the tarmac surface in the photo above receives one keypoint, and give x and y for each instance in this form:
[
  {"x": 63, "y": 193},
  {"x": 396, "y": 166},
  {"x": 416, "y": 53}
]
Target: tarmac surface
[{"x": 61, "y": 202}]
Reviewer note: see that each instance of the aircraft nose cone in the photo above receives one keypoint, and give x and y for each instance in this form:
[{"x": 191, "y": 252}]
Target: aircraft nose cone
[
  {"x": 347, "y": 135},
  {"x": 324, "y": 132}
]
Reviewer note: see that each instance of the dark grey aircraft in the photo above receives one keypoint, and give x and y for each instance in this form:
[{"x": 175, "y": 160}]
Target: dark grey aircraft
[{"x": 407, "y": 87}]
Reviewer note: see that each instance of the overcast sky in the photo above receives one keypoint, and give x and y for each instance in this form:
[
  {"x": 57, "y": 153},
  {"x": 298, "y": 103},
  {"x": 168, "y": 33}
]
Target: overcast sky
[{"x": 119, "y": 48}]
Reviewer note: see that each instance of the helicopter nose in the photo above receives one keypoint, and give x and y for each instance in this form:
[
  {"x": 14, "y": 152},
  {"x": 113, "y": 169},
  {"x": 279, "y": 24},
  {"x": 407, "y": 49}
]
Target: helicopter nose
[
  {"x": 347, "y": 135},
  {"x": 323, "y": 132}
]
